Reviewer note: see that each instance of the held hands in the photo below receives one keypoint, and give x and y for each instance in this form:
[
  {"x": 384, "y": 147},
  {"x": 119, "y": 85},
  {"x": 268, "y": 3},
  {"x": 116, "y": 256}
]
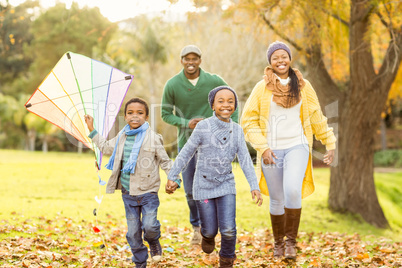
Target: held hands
[
  {"x": 257, "y": 198},
  {"x": 171, "y": 186},
  {"x": 329, "y": 157},
  {"x": 268, "y": 157},
  {"x": 89, "y": 120},
  {"x": 193, "y": 122}
]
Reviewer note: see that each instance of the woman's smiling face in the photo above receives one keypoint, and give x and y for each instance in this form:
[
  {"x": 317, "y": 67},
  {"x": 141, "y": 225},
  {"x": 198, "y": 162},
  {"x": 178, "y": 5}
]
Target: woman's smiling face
[{"x": 280, "y": 62}]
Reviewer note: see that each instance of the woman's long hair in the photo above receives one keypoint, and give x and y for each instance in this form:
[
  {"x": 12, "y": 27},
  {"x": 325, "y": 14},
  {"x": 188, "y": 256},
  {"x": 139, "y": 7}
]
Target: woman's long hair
[{"x": 294, "y": 86}]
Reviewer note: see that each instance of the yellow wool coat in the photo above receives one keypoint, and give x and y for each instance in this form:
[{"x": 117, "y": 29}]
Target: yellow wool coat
[{"x": 254, "y": 121}]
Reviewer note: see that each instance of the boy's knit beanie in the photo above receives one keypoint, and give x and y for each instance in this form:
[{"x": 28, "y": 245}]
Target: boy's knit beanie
[
  {"x": 274, "y": 47},
  {"x": 212, "y": 93}
]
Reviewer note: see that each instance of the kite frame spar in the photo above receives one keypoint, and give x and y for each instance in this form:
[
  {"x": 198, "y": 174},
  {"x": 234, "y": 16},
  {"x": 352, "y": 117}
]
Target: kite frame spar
[{"x": 69, "y": 79}]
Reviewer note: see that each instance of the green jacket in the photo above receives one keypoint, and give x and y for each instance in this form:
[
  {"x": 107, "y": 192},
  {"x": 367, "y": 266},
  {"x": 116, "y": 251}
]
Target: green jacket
[{"x": 181, "y": 102}]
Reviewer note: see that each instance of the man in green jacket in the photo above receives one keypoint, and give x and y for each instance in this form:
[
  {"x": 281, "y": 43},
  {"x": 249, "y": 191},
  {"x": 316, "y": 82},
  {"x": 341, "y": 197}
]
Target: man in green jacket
[{"x": 184, "y": 104}]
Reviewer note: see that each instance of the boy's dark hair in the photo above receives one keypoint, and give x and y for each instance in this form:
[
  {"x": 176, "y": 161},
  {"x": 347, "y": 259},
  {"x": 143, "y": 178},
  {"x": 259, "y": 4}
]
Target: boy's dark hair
[{"x": 138, "y": 100}]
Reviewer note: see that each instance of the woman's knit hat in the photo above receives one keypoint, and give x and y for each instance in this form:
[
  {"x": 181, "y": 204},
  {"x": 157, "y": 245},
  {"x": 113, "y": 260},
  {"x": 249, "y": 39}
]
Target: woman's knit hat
[
  {"x": 274, "y": 47},
  {"x": 212, "y": 93}
]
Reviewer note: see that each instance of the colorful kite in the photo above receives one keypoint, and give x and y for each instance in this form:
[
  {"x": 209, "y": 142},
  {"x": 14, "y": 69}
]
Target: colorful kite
[{"x": 76, "y": 86}]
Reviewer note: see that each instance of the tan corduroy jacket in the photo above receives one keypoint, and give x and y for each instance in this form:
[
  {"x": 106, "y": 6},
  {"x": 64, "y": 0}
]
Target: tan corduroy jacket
[
  {"x": 146, "y": 176},
  {"x": 254, "y": 121}
]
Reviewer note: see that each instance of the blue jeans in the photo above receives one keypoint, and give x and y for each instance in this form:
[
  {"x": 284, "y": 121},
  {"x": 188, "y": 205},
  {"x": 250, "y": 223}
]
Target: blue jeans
[
  {"x": 220, "y": 213},
  {"x": 285, "y": 178},
  {"x": 188, "y": 179},
  {"x": 147, "y": 205}
]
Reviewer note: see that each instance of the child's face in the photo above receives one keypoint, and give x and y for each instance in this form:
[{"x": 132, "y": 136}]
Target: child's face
[
  {"x": 224, "y": 104},
  {"x": 135, "y": 115}
]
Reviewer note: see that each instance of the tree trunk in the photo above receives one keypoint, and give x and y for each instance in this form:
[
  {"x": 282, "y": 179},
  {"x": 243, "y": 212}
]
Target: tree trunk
[
  {"x": 80, "y": 146},
  {"x": 352, "y": 181},
  {"x": 152, "y": 99},
  {"x": 31, "y": 139},
  {"x": 352, "y": 185},
  {"x": 45, "y": 144},
  {"x": 383, "y": 135}
]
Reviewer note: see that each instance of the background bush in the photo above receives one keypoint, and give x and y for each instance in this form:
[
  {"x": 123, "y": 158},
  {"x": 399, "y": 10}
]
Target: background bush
[{"x": 388, "y": 158}]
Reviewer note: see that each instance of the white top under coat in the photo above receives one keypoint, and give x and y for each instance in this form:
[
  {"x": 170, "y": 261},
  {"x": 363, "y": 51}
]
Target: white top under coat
[
  {"x": 284, "y": 127},
  {"x": 283, "y": 81}
]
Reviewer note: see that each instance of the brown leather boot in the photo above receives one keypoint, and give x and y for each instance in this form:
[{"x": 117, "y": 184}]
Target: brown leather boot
[
  {"x": 292, "y": 220},
  {"x": 226, "y": 262},
  {"x": 278, "y": 229},
  {"x": 207, "y": 244}
]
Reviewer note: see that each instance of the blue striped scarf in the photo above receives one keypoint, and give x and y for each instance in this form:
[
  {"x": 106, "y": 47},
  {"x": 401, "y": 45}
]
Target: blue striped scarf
[{"x": 129, "y": 167}]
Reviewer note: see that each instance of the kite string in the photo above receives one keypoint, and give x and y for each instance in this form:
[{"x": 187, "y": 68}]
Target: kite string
[{"x": 97, "y": 213}]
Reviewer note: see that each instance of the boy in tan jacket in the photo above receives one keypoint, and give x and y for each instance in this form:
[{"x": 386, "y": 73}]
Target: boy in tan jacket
[{"x": 137, "y": 152}]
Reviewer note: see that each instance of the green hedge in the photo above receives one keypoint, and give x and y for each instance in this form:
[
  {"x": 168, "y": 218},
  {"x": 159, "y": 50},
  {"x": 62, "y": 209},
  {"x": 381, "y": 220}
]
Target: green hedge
[{"x": 388, "y": 158}]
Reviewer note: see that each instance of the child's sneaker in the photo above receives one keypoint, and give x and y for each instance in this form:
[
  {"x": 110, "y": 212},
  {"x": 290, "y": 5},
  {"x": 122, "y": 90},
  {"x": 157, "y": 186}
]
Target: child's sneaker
[
  {"x": 156, "y": 251},
  {"x": 196, "y": 240}
]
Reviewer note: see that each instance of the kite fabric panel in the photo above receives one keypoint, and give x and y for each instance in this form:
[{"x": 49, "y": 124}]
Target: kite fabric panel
[{"x": 76, "y": 86}]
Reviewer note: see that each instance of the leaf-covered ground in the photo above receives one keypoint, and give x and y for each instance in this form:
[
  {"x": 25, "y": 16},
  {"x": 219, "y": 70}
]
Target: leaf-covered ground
[{"x": 63, "y": 242}]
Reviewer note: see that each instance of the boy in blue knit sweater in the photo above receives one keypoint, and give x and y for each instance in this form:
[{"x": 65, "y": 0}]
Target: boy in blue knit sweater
[{"x": 217, "y": 141}]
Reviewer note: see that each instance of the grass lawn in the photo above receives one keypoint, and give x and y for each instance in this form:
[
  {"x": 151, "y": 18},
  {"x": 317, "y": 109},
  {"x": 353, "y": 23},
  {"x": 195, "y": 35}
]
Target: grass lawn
[{"x": 51, "y": 185}]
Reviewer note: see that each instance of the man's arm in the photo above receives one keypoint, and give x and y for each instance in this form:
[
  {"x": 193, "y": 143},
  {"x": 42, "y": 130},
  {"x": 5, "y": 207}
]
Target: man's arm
[{"x": 168, "y": 104}]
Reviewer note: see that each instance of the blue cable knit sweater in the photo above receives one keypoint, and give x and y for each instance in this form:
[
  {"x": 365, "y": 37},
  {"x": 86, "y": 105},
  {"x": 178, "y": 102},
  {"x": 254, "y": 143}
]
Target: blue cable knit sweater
[{"x": 216, "y": 143}]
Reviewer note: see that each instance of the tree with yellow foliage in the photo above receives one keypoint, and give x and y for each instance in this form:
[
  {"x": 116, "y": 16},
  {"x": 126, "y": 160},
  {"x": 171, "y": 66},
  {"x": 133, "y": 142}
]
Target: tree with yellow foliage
[{"x": 352, "y": 65}]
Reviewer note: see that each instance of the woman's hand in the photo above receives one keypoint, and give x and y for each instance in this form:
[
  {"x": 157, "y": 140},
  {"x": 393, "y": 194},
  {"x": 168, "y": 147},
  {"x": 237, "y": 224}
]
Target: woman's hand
[
  {"x": 89, "y": 120},
  {"x": 257, "y": 198},
  {"x": 171, "y": 186},
  {"x": 329, "y": 157},
  {"x": 268, "y": 157}
]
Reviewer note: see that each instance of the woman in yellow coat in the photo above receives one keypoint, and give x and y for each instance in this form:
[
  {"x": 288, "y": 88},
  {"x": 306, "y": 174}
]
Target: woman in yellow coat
[{"x": 279, "y": 119}]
